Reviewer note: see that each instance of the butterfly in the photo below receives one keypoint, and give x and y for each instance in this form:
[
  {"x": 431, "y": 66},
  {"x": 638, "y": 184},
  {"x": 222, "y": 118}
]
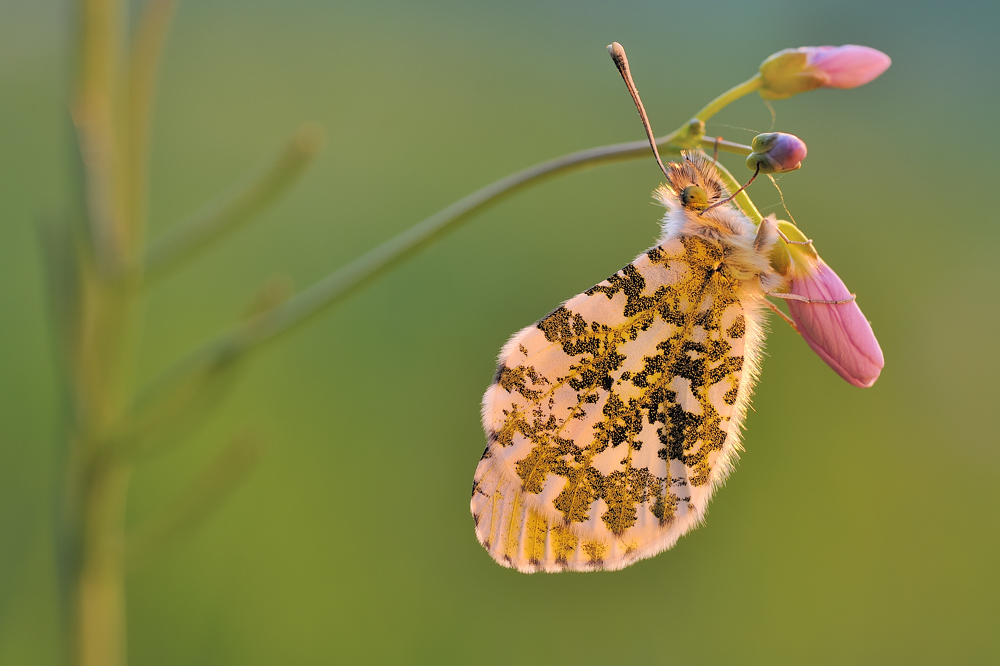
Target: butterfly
[{"x": 612, "y": 420}]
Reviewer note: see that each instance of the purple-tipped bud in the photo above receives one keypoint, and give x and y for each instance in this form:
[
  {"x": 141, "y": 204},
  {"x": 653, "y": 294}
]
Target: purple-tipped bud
[
  {"x": 776, "y": 152},
  {"x": 848, "y": 66},
  {"x": 839, "y": 333},
  {"x": 792, "y": 71}
]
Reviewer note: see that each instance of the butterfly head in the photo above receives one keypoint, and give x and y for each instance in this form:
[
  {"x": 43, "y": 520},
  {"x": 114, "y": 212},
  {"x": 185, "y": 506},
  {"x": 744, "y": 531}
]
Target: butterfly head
[
  {"x": 694, "y": 198},
  {"x": 695, "y": 182}
]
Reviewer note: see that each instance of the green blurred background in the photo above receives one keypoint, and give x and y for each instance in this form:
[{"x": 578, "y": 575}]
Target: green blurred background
[{"x": 861, "y": 525}]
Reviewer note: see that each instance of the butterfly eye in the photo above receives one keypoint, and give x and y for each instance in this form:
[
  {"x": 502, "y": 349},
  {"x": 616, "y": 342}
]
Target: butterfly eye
[{"x": 694, "y": 197}]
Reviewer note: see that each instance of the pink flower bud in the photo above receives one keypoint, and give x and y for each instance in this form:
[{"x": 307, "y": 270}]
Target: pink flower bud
[
  {"x": 839, "y": 333},
  {"x": 792, "y": 71},
  {"x": 776, "y": 152},
  {"x": 848, "y": 66}
]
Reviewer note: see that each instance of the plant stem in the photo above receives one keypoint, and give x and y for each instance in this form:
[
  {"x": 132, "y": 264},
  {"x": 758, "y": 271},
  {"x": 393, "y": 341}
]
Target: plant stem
[
  {"x": 144, "y": 61},
  {"x": 101, "y": 597},
  {"x": 98, "y": 482},
  {"x": 750, "y": 85},
  {"x": 99, "y": 346},
  {"x": 94, "y": 113},
  {"x": 232, "y": 209},
  {"x": 708, "y": 143}
]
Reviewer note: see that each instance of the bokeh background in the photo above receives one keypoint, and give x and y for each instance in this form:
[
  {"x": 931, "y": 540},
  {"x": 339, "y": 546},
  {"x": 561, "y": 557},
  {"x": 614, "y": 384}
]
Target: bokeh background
[{"x": 861, "y": 525}]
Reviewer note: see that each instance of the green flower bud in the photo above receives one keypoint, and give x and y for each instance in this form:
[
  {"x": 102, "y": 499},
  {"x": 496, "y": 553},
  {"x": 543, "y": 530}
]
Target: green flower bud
[{"x": 776, "y": 152}]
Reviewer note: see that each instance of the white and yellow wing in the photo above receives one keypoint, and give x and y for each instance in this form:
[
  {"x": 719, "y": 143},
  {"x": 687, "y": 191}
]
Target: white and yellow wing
[{"x": 611, "y": 421}]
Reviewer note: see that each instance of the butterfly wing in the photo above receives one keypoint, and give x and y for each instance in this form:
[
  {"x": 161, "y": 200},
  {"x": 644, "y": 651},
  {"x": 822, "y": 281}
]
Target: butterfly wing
[{"x": 611, "y": 421}]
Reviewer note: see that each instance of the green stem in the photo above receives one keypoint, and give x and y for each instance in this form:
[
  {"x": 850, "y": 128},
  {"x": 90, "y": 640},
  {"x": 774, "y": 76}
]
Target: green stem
[
  {"x": 146, "y": 52},
  {"x": 750, "y": 85},
  {"x": 98, "y": 349},
  {"x": 234, "y": 208},
  {"x": 97, "y": 489},
  {"x": 100, "y": 610},
  {"x": 708, "y": 143},
  {"x": 94, "y": 113}
]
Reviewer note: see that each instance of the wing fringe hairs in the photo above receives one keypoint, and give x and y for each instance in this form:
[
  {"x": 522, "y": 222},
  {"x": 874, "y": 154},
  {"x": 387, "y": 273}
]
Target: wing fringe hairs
[{"x": 612, "y": 420}]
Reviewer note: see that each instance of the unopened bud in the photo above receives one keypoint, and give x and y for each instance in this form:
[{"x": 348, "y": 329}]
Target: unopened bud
[
  {"x": 776, "y": 152},
  {"x": 793, "y": 71},
  {"x": 828, "y": 317}
]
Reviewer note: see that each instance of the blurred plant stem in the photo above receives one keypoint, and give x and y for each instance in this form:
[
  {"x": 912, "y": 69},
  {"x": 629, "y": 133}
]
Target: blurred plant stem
[
  {"x": 97, "y": 484},
  {"x": 753, "y": 84},
  {"x": 101, "y": 266},
  {"x": 144, "y": 61},
  {"x": 225, "y": 215}
]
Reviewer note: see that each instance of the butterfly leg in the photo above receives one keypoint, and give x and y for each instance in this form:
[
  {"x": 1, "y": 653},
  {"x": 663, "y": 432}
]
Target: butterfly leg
[
  {"x": 785, "y": 238},
  {"x": 788, "y": 320},
  {"x": 803, "y": 299}
]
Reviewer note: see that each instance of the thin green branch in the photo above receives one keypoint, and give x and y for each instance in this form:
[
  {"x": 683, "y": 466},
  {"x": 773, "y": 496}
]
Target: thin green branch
[
  {"x": 161, "y": 419},
  {"x": 750, "y": 85},
  {"x": 231, "y": 210},
  {"x": 709, "y": 144},
  {"x": 94, "y": 509},
  {"x": 94, "y": 112},
  {"x": 146, "y": 52}
]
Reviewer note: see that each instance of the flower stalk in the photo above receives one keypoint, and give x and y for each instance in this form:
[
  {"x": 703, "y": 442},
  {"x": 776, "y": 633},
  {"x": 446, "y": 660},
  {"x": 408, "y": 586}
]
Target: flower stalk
[{"x": 751, "y": 85}]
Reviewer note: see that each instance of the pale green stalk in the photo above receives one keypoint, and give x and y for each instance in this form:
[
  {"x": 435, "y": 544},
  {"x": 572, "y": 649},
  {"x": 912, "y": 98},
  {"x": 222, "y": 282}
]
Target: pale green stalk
[
  {"x": 113, "y": 134},
  {"x": 752, "y": 84},
  {"x": 94, "y": 114},
  {"x": 144, "y": 62},
  {"x": 225, "y": 215},
  {"x": 709, "y": 144},
  {"x": 97, "y": 485}
]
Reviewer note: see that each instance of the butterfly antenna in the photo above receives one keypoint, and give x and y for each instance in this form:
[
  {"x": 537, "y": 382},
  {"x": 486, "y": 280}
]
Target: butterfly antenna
[
  {"x": 733, "y": 195},
  {"x": 621, "y": 62}
]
